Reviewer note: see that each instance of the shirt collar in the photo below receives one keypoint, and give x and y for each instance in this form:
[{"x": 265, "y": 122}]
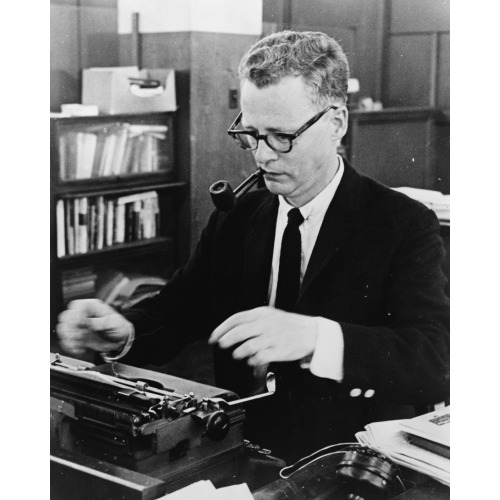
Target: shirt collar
[{"x": 318, "y": 205}]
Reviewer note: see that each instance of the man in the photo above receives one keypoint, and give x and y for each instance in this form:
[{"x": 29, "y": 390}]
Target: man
[{"x": 365, "y": 337}]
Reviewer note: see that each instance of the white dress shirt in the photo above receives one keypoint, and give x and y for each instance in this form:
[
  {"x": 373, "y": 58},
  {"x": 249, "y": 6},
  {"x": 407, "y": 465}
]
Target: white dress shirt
[{"x": 328, "y": 356}]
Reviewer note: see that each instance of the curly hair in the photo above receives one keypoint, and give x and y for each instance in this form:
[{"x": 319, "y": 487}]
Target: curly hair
[{"x": 314, "y": 56}]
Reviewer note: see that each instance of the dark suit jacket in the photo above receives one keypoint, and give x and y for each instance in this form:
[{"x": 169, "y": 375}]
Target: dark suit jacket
[{"x": 375, "y": 268}]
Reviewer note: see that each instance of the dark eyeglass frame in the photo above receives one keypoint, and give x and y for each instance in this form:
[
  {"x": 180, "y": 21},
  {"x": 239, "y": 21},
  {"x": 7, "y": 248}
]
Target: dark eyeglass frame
[{"x": 290, "y": 137}]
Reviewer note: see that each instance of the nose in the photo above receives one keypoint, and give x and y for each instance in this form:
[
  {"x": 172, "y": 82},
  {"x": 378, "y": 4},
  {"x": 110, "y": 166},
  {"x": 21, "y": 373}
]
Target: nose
[{"x": 264, "y": 153}]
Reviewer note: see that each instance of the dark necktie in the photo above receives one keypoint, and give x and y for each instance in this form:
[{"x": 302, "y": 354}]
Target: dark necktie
[{"x": 289, "y": 271}]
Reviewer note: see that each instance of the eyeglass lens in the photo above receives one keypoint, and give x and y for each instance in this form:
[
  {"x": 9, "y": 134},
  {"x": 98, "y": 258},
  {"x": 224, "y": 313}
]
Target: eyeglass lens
[{"x": 247, "y": 141}]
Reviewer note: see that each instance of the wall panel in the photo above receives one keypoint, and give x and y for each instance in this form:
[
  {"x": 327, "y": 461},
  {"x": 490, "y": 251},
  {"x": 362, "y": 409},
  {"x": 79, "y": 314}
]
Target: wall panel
[
  {"x": 443, "y": 83},
  {"x": 215, "y": 59},
  {"x": 64, "y": 54},
  {"x": 420, "y": 15},
  {"x": 410, "y": 71}
]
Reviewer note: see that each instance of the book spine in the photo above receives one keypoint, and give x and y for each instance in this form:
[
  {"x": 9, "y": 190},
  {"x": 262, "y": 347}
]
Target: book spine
[
  {"x": 156, "y": 217},
  {"x": 100, "y": 223},
  {"x": 120, "y": 223},
  {"x": 92, "y": 224},
  {"x": 76, "y": 223},
  {"x": 136, "y": 216},
  {"x": 70, "y": 227},
  {"x": 128, "y": 223},
  {"x": 61, "y": 233},
  {"x": 63, "y": 159},
  {"x": 83, "y": 225},
  {"x": 109, "y": 222}
]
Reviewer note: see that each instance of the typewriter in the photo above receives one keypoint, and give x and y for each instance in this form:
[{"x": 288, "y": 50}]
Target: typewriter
[{"x": 136, "y": 423}]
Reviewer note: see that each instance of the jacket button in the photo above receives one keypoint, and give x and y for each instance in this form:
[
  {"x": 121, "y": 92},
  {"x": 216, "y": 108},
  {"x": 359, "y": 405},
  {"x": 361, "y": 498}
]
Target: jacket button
[
  {"x": 355, "y": 393},
  {"x": 369, "y": 393}
]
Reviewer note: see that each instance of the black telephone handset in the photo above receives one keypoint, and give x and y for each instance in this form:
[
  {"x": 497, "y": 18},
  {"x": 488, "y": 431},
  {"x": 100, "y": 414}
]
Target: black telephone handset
[
  {"x": 359, "y": 473},
  {"x": 366, "y": 473}
]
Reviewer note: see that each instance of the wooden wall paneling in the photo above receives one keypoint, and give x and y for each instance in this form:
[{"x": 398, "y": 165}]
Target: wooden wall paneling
[
  {"x": 369, "y": 43},
  {"x": 215, "y": 59},
  {"x": 419, "y": 16},
  {"x": 82, "y": 35},
  {"x": 443, "y": 76},
  {"x": 394, "y": 147},
  {"x": 64, "y": 54},
  {"x": 99, "y": 37},
  {"x": 441, "y": 180},
  {"x": 410, "y": 72},
  {"x": 357, "y": 26}
]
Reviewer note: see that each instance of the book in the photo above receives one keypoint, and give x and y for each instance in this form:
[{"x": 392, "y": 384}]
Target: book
[
  {"x": 99, "y": 150},
  {"x": 78, "y": 284},
  {"x": 69, "y": 156},
  {"x": 76, "y": 223},
  {"x": 121, "y": 143},
  {"x": 63, "y": 157},
  {"x": 119, "y": 222},
  {"x": 109, "y": 149},
  {"x": 70, "y": 226},
  {"x": 137, "y": 209},
  {"x": 110, "y": 226},
  {"x": 389, "y": 438},
  {"x": 60, "y": 229},
  {"x": 433, "y": 426},
  {"x": 92, "y": 224},
  {"x": 131, "y": 198},
  {"x": 100, "y": 223},
  {"x": 83, "y": 225},
  {"x": 87, "y": 147}
]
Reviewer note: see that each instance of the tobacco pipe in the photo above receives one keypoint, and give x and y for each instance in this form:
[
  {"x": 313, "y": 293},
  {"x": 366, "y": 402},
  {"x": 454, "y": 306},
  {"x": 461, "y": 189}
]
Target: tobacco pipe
[{"x": 223, "y": 195}]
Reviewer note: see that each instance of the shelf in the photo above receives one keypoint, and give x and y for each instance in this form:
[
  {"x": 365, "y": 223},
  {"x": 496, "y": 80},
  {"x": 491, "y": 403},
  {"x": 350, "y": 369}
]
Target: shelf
[
  {"x": 147, "y": 117},
  {"x": 154, "y": 161},
  {"x": 123, "y": 250},
  {"x": 115, "y": 185}
]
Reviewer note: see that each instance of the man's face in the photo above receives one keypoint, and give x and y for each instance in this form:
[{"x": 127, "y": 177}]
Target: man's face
[{"x": 284, "y": 107}]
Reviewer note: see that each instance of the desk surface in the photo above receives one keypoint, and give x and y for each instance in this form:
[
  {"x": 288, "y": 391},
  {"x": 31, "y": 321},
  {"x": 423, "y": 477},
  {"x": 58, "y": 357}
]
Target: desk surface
[{"x": 83, "y": 477}]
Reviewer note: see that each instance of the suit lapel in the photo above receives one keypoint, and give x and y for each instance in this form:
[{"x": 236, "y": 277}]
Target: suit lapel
[
  {"x": 259, "y": 244},
  {"x": 337, "y": 225}
]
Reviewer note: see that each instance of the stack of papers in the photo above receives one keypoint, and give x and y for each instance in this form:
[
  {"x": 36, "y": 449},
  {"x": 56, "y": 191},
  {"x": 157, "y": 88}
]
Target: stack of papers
[
  {"x": 205, "y": 490},
  {"x": 434, "y": 200},
  {"x": 392, "y": 439}
]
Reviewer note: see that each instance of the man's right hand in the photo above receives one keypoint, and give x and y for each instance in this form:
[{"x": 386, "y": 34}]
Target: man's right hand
[{"x": 90, "y": 324}]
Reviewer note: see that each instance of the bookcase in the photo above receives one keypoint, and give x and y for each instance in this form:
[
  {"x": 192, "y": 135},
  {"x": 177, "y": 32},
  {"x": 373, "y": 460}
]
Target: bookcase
[{"x": 117, "y": 202}]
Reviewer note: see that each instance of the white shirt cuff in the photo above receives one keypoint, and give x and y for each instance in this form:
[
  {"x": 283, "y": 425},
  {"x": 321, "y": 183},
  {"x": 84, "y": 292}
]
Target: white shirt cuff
[
  {"x": 327, "y": 360},
  {"x": 125, "y": 349}
]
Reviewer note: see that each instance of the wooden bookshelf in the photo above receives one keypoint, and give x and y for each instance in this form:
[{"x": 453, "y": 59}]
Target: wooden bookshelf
[{"x": 149, "y": 226}]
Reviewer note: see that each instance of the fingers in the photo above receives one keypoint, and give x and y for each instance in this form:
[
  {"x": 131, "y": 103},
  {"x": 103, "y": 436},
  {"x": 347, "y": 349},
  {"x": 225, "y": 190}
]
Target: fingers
[
  {"x": 262, "y": 358},
  {"x": 247, "y": 331},
  {"x": 91, "y": 324},
  {"x": 265, "y": 335},
  {"x": 251, "y": 347},
  {"x": 239, "y": 334},
  {"x": 241, "y": 318}
]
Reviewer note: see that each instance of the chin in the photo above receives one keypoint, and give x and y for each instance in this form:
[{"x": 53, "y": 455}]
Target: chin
[{"x": 277, "y": 187}]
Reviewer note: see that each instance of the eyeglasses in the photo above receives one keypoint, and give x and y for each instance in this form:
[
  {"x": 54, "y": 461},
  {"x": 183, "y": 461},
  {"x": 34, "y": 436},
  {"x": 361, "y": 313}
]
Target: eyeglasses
[{"x": 280, "y": 142}]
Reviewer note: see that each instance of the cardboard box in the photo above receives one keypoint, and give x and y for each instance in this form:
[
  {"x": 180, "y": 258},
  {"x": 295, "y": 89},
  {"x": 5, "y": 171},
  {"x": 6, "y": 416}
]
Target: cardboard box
[{"x": 112, "y": 91}]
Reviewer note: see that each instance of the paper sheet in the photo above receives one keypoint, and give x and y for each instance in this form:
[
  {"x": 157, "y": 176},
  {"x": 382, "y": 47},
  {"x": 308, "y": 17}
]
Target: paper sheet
[
  {"x": 388, "y": 438},
  {"x": 205, "y": 490}
]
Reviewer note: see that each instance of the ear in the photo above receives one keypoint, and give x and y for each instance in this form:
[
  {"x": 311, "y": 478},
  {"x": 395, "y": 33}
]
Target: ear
[{"x": 340, "y": 118}]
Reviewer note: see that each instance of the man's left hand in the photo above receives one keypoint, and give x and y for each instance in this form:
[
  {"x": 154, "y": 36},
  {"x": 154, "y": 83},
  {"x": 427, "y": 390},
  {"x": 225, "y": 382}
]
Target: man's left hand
[{"x": 264, "y": 335}]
